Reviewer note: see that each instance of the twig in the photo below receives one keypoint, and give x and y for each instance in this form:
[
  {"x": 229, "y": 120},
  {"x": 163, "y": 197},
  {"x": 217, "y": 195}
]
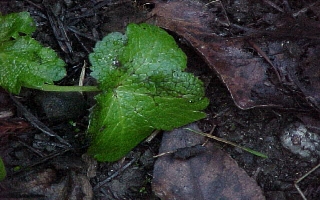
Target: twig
[
  {"x": 59, "y": 32},
  {"x": 44, "y": 159},
  {"x": 303, "y": 177},
  {"x": 303, "y": 10},
  {"x": 272, "y": 4},
  {"x": 77, "y": 32},
  {"x": 35, "y": 5},
  {"x": 101, "y": 183},
  {"x": 36, "y": 123},
  {"x": 31, "y": 148},
  {"x": 228, "y": 142},
  {"x": 82, "y": 74},
  {"x": 264, "y": 55},
  {"x": 153, "y": 135}
]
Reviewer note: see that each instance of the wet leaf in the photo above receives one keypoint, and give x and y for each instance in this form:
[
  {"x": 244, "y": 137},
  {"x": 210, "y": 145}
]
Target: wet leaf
[
  {"x": 251, "y": 79},
  {"x": 23, "y": 60},
  {"x": 238, "y": 69},
  {"x": 146, "y": 88},
  {"x": 15, "y": 24},
  {"x": 209, "y": 174}
]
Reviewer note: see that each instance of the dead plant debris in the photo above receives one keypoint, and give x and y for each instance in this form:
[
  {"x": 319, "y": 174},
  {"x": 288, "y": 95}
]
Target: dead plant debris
[{"x": 259, "y": 62}]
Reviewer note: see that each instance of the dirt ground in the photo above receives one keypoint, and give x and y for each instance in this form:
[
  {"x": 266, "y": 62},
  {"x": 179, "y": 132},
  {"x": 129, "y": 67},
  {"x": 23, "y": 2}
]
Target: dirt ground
[{"x": 38, "y": 168}]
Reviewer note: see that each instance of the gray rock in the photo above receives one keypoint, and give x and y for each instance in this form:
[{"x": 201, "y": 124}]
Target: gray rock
[
  {"x": 299, "y": 140},
  {"x": 61, "y": 106}
]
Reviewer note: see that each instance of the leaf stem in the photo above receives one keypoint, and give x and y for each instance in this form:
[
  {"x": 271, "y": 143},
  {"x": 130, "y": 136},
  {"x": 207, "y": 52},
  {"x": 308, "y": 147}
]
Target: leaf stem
[{"x": 58, "y": 88}]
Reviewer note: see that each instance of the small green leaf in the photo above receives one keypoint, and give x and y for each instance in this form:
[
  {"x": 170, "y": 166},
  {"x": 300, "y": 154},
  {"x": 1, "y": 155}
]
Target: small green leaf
[
  {"x": 14, "y": 24},
  {"x": 145, "y": 88},
  {"x": 3, "y": 172},
  {"x": 23, "y": 60}
]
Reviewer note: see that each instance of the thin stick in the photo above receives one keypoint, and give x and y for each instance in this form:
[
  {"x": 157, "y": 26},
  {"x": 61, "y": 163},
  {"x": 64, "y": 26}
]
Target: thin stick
[
  {"x": 303, "y": 177},
  {"x": 43, "y": 160},
  {"x": 153, "y": 135},
  {"x": 32, "y": 149},
  {"x": 230, "y": 143},
  {"x": 101, "y": 183},
  {"x": 83, "y": 73},
  {"x": 303, "y": 10},
  {"x": 36, "y": 123},
  {"x": 275, "y": 6},
  {"x": 264, "y": 55}
]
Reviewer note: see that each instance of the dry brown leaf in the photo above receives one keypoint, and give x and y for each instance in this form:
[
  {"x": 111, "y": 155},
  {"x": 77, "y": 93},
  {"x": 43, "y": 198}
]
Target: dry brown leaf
[
  {"x": 252, "y": 80},
  {"x": 238, "y": 69},
  {"x": 209, "y": 175},
  {"x": 49, "y": 183}
]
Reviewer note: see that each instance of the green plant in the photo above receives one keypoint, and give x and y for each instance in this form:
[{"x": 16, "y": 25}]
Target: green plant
[
  {"x": 140, "y": 75},
  {"x": 23, "y": 60},
  {"x": 3, "y": 172}
]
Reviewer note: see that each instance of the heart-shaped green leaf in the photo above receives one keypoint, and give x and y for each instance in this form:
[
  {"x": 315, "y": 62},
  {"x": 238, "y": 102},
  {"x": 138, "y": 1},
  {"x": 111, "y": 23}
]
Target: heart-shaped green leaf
[{"x": 145, "y": 88}]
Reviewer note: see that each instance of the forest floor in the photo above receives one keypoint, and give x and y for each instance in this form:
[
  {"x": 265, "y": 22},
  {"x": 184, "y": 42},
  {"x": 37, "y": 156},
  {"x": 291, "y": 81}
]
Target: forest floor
[{"x": 272, "y": 36}]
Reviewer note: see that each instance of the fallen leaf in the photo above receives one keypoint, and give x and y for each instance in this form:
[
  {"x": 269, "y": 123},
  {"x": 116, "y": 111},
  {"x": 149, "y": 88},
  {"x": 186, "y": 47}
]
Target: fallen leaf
[
  {"x": 306, "y": 76},
  {"x": 252, "y": 79},
  {"x": 209, "y": 175},
  {"x": 238, "y": 69},
  {"x": 49, "y": 183}
]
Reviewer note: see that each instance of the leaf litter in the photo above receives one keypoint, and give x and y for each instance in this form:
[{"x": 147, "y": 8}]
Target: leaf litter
[
  {"x": 248, "y": 76},
  {"x": 258, "y": 129},
  {"x": 267, "y": 66}
]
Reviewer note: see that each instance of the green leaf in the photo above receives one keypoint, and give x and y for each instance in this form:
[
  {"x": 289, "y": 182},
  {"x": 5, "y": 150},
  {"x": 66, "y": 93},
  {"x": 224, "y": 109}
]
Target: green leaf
[
  {"x": 3, "y": 172},
  {"x": 145, "y": 88},
  {"x": 14, "y": 24},
  {"x": 23, "y": 60}
]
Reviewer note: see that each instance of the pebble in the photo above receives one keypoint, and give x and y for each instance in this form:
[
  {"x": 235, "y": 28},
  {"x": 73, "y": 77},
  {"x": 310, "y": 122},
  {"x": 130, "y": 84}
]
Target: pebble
[
  {"x": 298, "y": 140},
  {"x": 61, "y": 106}
]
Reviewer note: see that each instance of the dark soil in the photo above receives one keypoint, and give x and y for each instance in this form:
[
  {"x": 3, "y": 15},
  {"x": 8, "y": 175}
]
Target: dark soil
[{"x": 37, "y": 166}]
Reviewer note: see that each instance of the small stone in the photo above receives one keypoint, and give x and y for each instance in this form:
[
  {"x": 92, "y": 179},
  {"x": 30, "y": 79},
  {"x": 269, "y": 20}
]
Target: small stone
[
  {"x": 297, "y": 139},
  {"x": 61, "y": 106}
]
